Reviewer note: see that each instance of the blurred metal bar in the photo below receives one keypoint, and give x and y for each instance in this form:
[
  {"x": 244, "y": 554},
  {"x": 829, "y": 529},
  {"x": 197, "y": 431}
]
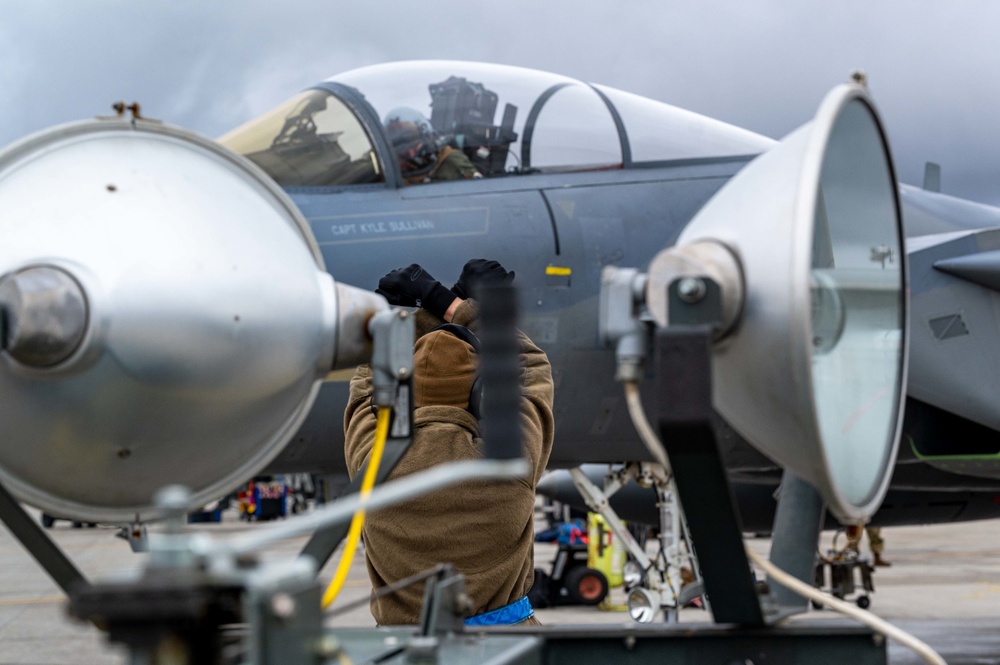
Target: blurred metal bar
[
  {"x": 683, "y": 368},
  {"x": 501, "y": 372},
  {"x": 39, "y": 545},
  {"x": 388, "y": 494}
]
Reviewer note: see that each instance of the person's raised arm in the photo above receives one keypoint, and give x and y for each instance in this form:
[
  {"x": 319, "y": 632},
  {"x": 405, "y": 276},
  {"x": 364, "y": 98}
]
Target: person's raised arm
[{"x": 413, "y": 286}]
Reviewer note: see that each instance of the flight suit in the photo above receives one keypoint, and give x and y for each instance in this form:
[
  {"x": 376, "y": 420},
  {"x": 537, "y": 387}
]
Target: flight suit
[
  {"x": 452, "y": 164},
  {"x": 484, "y": 528},
  {"x": 875, "y": 542}
]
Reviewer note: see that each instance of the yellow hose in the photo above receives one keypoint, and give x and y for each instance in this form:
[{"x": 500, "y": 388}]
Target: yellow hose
[{"x": 354, "y": 533}]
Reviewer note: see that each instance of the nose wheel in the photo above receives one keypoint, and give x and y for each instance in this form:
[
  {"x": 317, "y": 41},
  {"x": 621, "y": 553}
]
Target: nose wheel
[{"x": 586, "y": 586}]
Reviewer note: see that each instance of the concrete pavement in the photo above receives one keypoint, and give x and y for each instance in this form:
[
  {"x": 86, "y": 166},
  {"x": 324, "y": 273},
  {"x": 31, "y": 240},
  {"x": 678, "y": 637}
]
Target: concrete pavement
[{"x": 944, "y": 585}]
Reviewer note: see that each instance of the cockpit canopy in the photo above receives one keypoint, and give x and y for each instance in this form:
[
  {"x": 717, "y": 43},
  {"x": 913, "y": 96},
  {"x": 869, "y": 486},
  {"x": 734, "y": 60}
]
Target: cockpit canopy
[{"x": 506, "y": 120}]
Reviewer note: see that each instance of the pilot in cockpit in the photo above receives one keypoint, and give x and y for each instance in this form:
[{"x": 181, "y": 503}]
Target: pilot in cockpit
[{"x": 423, "y": 155}]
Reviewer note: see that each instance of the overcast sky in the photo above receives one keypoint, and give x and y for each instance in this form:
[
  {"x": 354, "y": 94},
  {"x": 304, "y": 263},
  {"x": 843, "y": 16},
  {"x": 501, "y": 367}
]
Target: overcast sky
[{"x": 209, "y": 65}]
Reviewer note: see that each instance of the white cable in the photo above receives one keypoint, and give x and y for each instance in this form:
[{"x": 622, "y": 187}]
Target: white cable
[
  {"x": 643, "y": 427},
  {"x": 652, "y": 442},
  {"x": 656, "y": 449},
  {"x": 872, "y": 621}
]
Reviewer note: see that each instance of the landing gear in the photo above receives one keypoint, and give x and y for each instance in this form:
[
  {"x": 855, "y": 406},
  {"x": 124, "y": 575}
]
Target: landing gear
[{"x": 661, "y": 576}]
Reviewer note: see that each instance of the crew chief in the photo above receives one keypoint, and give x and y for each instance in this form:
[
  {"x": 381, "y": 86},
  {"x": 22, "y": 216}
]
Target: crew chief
[{"x": 484, "y": 528}]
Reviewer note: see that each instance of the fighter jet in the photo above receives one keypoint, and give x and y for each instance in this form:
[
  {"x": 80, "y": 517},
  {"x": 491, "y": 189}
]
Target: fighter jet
[
  {"x": 559, "y": 180},
  {"x": 167, "y": 319},
  {"x": 571, "y": 177}
]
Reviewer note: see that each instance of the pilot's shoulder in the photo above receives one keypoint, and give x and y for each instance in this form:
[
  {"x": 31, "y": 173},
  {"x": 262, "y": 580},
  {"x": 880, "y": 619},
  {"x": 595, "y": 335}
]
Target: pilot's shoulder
[{"x": 457, "y": 165}]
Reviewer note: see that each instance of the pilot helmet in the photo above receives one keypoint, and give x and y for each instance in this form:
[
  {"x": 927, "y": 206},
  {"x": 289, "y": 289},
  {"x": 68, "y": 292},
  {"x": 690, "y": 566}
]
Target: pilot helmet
[{"x": 413, "y": 139}]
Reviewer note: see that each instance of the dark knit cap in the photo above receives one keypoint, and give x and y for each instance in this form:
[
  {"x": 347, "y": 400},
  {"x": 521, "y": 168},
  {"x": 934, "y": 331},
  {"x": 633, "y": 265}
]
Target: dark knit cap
[{"x": 444, "y": 369}]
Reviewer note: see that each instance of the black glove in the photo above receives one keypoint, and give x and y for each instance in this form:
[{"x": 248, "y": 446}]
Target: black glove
[
  {"x": 480, "y": 272},
  {"x": 415, "y": 287}
]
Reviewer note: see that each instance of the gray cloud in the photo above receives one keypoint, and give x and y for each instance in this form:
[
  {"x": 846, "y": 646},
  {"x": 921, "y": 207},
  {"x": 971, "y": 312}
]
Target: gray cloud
[{"x": 761, "y": 64}]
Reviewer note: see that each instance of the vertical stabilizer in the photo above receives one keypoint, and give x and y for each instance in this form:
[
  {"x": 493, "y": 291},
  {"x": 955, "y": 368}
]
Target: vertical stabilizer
[{"x": 932, "y": 177}]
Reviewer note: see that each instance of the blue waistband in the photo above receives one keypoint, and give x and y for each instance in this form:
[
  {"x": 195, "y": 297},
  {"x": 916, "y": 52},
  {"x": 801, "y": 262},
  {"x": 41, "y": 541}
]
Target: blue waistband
[{"x": 516, "y": 612}]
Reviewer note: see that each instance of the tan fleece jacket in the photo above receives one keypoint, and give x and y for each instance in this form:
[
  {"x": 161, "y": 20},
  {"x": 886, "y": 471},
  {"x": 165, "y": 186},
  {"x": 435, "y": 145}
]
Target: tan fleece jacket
[{"x": 484, "y": 528}]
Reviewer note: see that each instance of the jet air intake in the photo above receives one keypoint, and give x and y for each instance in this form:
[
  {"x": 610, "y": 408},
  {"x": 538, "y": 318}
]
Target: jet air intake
[
  {"x": 166, "y": 318},
  {"x": 805, "y": 243}
]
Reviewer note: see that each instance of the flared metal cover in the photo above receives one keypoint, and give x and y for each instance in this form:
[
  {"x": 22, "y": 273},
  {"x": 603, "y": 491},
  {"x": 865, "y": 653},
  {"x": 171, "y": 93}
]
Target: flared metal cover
[
  {"x": 210, "y": 318},
  {"x": 814, "y": 374}
]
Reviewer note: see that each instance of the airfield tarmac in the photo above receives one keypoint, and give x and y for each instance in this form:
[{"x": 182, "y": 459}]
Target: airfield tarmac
[{"x": 943, "y": 586}]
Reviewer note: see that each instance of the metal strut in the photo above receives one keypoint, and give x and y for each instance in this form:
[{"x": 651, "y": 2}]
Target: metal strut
[{"x": 39, "y": 545}]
